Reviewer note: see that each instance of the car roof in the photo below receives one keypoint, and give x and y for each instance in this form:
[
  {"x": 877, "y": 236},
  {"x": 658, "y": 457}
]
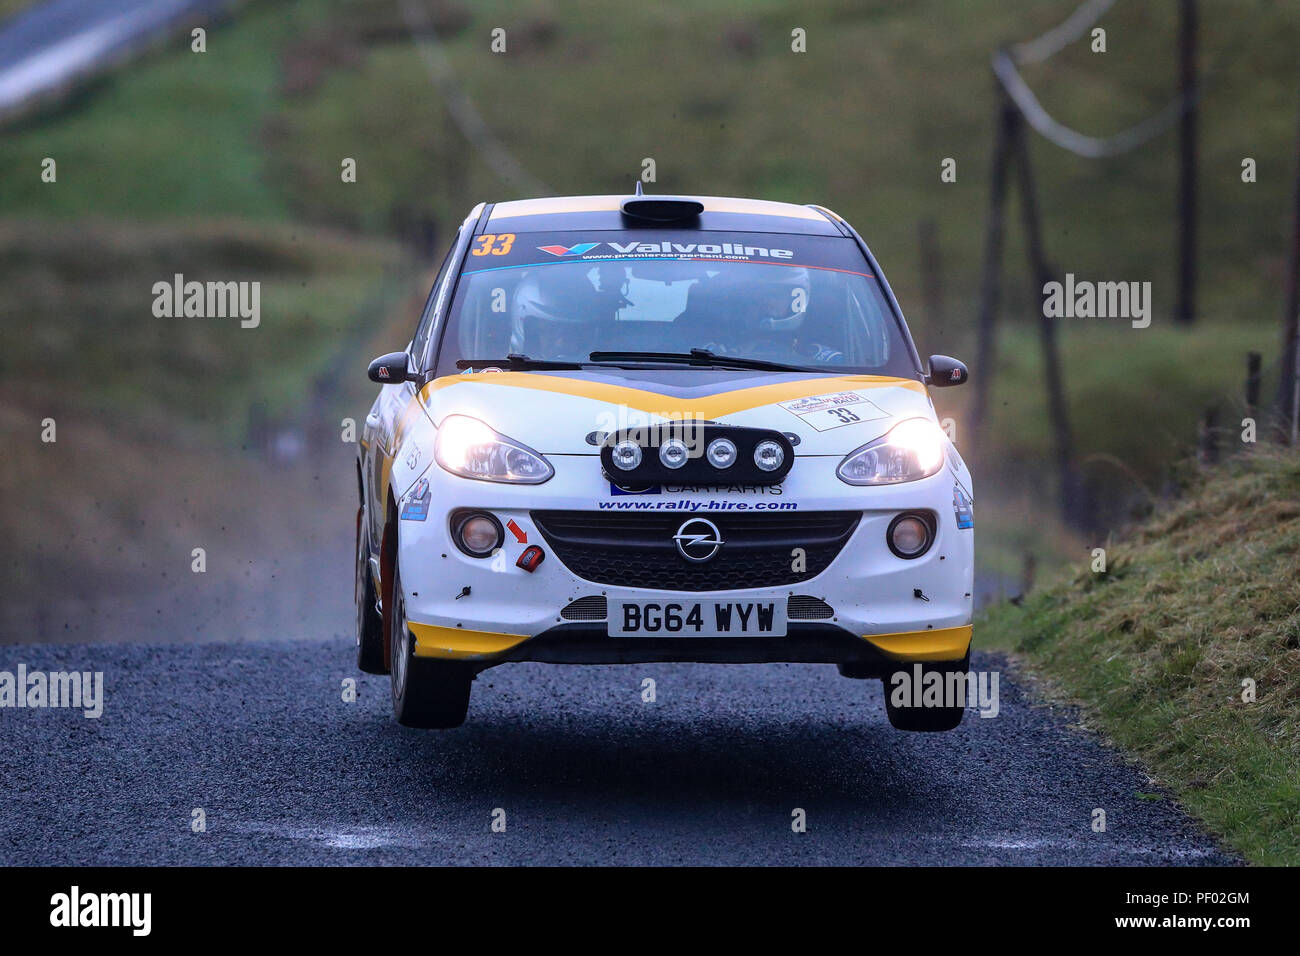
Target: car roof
[{"x": 721, "y": 214}]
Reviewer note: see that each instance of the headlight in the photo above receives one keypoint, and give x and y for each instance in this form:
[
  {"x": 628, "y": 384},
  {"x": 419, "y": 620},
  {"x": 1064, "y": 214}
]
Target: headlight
[
  {"x": 910, "y": 450},
  {"x": 469, "y": 448}
]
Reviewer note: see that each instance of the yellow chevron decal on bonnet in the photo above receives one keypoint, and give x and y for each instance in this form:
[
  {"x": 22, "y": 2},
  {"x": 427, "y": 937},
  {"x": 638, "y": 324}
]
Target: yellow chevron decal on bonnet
[{"x": 645, "y": 400}]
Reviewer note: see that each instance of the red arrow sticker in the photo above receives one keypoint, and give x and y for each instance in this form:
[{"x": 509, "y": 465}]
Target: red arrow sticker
[{"x": 520, "y": 534}]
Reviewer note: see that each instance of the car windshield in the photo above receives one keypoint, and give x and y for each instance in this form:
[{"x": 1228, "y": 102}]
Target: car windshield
[{"x": 747, "y": 296}]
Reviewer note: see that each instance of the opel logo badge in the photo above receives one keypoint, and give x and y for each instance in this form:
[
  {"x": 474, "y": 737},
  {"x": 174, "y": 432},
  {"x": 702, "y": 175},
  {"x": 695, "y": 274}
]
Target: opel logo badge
[{"x": 698, "y": 540}]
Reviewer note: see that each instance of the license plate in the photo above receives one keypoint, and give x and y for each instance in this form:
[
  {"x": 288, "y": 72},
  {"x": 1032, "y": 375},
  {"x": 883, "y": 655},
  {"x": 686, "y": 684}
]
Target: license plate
[{"x": 705, "y": 618}]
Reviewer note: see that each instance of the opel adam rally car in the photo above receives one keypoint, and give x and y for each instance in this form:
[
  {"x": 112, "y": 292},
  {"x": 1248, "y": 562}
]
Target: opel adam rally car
[{"x": 657, "y": 428}]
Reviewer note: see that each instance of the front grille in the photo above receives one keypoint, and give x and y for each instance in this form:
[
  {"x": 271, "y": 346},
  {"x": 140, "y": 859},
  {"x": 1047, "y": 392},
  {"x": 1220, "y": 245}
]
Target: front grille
[
  {"x": 590, "y": 608},
  {"x": 801, "y": 607},
  {"x": 637, "y": 550}
]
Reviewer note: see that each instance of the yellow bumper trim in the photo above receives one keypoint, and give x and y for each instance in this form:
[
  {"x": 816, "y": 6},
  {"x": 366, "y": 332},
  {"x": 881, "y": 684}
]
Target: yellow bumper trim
[
  {"x": 942, "y": 644},
  {"x": 456, "y": 643}
]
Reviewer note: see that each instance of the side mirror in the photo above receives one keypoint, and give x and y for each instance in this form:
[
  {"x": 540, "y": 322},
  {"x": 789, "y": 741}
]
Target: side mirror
[
  {"x": 946, "y": 371},
  {"x": 389, "y": 369}
]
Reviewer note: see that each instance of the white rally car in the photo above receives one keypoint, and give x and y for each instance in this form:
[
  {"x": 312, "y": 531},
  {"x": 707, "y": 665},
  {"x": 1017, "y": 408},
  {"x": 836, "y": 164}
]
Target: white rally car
[{"x": 658, "y": 428}]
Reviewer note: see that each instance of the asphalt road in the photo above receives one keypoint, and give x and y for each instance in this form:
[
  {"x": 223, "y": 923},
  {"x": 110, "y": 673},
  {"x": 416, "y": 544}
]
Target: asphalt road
[
  {"x": 258, "y": 736},
  {"x": 54, "y": 43}
]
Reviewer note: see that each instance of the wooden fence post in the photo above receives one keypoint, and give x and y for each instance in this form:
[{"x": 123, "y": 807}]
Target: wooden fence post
[
  {"x": 1253, "y": 361},
  {"x": 991, "y": 280},
  {"x": 1287, "y": 379},
  {"x": 1073, "y": 507},
  {"x": 1208, "y": 437},
  {"x": 1185, "y": 310},
  {"x": 931, "y": 274}
]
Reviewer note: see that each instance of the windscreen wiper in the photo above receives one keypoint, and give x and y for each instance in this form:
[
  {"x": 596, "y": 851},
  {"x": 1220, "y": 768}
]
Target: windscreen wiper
[
  {"x": 517, "y": 362},
  {"x": 700, "y": 357}
]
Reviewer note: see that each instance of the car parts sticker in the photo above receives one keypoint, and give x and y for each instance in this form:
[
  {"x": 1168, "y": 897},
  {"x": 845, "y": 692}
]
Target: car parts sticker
[{"x": 417, "y": 506}]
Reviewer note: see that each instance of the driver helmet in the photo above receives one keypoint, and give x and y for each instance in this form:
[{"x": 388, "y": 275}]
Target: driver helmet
[
  {"x": 781, "y": 299},
  {"x": 555, "y": 313}
]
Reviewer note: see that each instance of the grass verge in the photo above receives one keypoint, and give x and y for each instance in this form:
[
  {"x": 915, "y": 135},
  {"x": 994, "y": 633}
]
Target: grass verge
[{"x": 1198, "y": 606}]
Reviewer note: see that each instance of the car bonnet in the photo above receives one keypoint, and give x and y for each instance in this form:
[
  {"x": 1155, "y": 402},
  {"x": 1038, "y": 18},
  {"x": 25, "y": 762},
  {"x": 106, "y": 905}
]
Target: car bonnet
[{"x": 558, "y": 412}]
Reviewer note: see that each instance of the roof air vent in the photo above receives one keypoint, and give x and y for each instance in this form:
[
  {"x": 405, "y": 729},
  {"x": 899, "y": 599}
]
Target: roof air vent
[{"x": 661, "y": 208}]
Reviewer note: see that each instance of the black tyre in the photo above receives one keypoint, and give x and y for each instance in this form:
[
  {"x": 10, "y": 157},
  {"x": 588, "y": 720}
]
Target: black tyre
[
  {"x": 906, "y": 716},
  {"x": 428, "y": 694},
  {"x": 856, "y": 670},
  {"x": 370, "y": 623}
]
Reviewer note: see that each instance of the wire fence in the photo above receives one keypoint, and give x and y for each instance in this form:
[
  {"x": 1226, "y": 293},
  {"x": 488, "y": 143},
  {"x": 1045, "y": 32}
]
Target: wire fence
[
  {"x": 1006, "y": 65},
  {"x": 1059, "y": 37},
  {"x": 1090, "y": 147}
]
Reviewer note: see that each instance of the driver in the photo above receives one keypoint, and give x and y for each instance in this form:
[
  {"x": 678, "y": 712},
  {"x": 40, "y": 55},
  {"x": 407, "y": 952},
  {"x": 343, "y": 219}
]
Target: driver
[
  {"x": 770, "y": 319},
  {"x": 557, "y": 314},
  {"x": 782, "y": 308}
]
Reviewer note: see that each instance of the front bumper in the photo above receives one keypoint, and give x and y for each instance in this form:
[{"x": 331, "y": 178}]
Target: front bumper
[
  {"x": 590, "y": 643},
  {"x": 883, "y": 608}
]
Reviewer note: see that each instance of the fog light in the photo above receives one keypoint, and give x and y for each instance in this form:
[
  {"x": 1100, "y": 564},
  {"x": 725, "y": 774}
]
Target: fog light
[
  {"x": 769, "y": 455},
  {"x": 626, "y": 455},
  {"x": 673, "y": 453},
  {"x": 721, "y": 453},
  {"x": 909, "y": 536},
  {"x": 478, "y": 534}
]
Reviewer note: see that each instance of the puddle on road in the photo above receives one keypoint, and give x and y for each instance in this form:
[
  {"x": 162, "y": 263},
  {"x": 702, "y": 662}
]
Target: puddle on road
[
  {"x": 339, "y": 838},
  {"x": 1033, "y": 844}
]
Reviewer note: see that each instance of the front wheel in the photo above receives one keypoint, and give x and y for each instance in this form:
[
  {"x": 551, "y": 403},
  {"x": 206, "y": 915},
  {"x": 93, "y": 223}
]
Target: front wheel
[
  {"x": 929, "y": 696},
  {"x": 428, "y": 694},
  {"x": 370, "y": 624}
]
